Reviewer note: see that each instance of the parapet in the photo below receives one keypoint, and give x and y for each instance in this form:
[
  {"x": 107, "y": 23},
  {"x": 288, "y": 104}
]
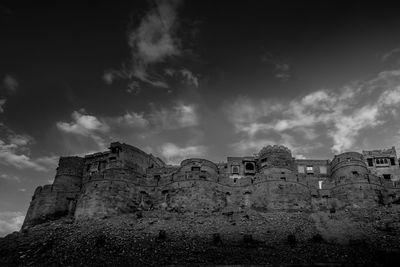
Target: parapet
[
  {"x": 71, "y": 166},
  {"x": 275, "y": 156}
]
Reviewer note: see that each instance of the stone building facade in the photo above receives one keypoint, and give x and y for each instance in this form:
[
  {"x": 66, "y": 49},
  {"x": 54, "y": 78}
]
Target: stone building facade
[{"x": 125, "y": 179}]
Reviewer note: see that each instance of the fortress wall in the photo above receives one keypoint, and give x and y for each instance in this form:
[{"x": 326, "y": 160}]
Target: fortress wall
[
  {"x": 280, "y": 195},
  {"x": 357, "y": 195},
  {"x": 48, "y": 204},
  {"x": 103, "y": 198},
  {"x": 57, "y": 200},
  {"x": 69, "y": 174},
  {"x": 109, "y": 192}
]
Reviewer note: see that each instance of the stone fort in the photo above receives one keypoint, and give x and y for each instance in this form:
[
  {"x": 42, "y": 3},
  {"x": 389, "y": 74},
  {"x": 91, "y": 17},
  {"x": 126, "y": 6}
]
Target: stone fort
[{"x": 125, "y": 179}]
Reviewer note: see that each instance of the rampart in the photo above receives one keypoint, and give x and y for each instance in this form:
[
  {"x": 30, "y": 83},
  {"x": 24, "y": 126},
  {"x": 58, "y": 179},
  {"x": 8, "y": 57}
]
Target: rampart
[{"x": 126, "y": 180}]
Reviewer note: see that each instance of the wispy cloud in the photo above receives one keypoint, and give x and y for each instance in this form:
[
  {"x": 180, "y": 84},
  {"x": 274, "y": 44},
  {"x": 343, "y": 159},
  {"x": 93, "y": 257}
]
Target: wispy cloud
[
  {"x": 180, "y": 116},
  {"x": 10, "y": 83},
  {"x": 10, "y": 222},
  {"x": 153, "y": 41},
  {"x": 341, "y": 115},
  {"x": 386, "y": 56},
  {"x": 187, "y": 76},
  {"x": 175, "y": 154},
  {"x": 2, "y": 103},
  {"x": 15, "y": 150},
  {"x": 8, "y": 87},
  {"x": 9, "y": 177},
  {"x": 282, "y": 68}
]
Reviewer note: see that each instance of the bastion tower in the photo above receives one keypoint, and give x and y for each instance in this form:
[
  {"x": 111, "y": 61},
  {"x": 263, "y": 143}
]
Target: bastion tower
[{"x": 51, "y": 202}]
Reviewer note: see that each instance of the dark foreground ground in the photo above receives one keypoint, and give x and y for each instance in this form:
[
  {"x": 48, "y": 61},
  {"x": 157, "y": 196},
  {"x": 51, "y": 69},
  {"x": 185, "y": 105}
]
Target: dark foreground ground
[{"x": 351, "y": 237}]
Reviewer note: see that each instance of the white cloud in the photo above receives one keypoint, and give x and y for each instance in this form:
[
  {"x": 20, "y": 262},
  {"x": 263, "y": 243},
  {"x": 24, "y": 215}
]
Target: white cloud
[
  {"x": 341, "y": 115},
  {"x": 10, "y": 156},
  {"x": 175, "y": 154},
  {"x": 82, "y": 124},
  {"x": 15, "y": 151},
  {"x": 10, "y": 222},
  {"x": 154, "y": 39},
  {"x": 85, "y": 125}
]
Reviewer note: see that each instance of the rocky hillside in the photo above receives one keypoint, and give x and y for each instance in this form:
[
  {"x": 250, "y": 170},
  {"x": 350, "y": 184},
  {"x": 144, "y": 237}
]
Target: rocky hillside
[{"x": 333, "y": 238}]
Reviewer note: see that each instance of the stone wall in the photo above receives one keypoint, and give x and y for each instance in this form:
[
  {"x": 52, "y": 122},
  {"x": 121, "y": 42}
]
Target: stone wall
[{"x": 126, "y": 180}]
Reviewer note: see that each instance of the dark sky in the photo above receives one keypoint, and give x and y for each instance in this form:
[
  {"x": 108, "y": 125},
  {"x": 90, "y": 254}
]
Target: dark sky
[{"x": 186, "y": 79}]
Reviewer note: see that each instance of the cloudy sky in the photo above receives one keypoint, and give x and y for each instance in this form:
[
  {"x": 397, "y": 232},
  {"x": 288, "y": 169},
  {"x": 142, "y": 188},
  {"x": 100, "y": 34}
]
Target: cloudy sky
[{"x": 191, "y": 79}]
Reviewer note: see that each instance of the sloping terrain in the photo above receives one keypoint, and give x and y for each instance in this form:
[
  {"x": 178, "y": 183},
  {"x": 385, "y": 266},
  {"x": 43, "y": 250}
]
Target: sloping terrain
[{"x": 348, "y": 237}]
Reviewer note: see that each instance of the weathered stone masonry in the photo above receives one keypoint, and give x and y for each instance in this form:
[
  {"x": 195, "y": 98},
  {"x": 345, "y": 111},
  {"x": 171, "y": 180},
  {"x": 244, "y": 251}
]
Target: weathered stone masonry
[{"x": 125, "y": 180}]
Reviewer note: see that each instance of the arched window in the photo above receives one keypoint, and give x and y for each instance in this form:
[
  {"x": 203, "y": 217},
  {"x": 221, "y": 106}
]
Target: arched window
[
  {"x": 235, "y": 169},
  {"x": 385, "y": 160}
]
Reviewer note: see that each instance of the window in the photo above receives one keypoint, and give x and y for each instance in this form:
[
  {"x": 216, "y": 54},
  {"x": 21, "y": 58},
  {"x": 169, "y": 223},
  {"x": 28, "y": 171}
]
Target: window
[
  {"x": 195, "y": 169},
  {"x": 283, "y": 178},
  {"x": 392, "y": 162},
  {"x": 235, "y": 169},
  {"x": 320, "y": 184},
  {"x": 310, "y": 169},
  {"x": 300, "y": 169},
  {"x": 370, "y": 163},
  {"x": 157, "y": 177},
  {"x": 385, "y": 161},
  {"x": 386, "y": 176},
  {"x": 322, "y": 169},
  {"x": 249, "y": 166},
  {"x": 355, "y": 173}
]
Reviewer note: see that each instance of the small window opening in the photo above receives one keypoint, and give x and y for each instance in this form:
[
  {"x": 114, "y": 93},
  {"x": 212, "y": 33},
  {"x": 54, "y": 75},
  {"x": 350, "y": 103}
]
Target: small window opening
[
  {"x": 249, "y": 166},
  {"x": 195, "y": 169},
  {"x": 235, "y": 180},
  {"x": 355, "y": 173},
  {"x": 370, "y": 163},
  {"x": 392, "y": 162},
  {"x": 283, "y": 178},
  {"x": 235, "y": 169},
  {"x": 386, "y": 176},
  {"x": 310, "y": 169}
]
